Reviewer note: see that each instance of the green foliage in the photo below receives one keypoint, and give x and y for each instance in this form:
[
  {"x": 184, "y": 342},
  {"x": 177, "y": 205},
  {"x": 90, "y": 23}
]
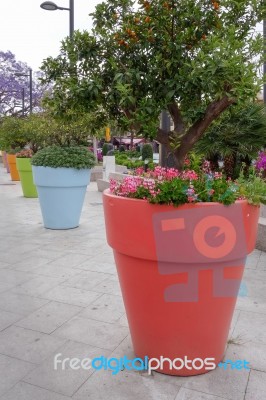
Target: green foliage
[
  {"x": 39, "y": 130},
  {"x": 194, "y": 162},
  {"x": 252, "y": 187},
  {"x": 147, "y": 152},
  {"x": 240, "y": 131},
  {"x": 107, "y": 147},
  {"x": 64, "y": 157},
  {"x": 129, "y": 160},
  {"x": 122, "y": 148},
  {"x": 13, "y": 151},
  {"x": 12, "y": 136}
]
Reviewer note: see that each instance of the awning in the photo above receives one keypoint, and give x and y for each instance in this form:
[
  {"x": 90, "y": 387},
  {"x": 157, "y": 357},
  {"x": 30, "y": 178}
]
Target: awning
[{"x": 128, "y": 140}]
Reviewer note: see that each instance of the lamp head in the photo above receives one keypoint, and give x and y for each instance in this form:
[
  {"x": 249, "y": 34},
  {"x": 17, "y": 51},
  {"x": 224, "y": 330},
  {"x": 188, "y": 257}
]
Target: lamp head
[{"x": 49, "y": 5}]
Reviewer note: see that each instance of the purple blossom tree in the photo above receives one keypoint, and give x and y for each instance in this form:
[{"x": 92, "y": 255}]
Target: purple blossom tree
[{"x": 15, "y": 90}]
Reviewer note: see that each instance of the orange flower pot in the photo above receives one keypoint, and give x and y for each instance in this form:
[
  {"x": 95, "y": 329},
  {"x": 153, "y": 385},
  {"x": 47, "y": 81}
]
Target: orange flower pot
[
  {"x": 180, "y": 270},
  {"x": 11, "y": 159}
]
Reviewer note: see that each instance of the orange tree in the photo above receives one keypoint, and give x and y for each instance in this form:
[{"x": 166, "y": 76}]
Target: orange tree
[{"x": 193, "y": 58}]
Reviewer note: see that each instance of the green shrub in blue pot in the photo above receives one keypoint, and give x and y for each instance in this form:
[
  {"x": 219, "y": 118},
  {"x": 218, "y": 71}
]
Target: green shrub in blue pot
[{"x": 61, "y": 175}]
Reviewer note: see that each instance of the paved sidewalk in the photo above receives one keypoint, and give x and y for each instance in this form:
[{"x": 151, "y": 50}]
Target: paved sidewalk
[{"x": 59, "y": 293}]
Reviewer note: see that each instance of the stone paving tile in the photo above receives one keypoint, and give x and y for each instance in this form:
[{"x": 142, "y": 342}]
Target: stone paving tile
[
  {"x": 3, "y": 264},
  {"x": 125, "y": 348},
  {"x": 252, "y": 304},
  {"x": 254, "y": 353},
  {"x": 123, "y": 320},
  {"x": 28, "y": 345},
  {"x": 71, "y": 295},
  {"x": 250, "y": 327},
  {"x": 65, "y": 381},
  {"x": 49, "y": 317},
  {"x": 6, "y": 286},
  {"x": 95, "y": 333},
  {"x": 233, "y": 322},
  {"x": 229, "y": 384},
  {"x": 58, "y": 271},
  {"x": 24, "y": 391},
  {"x": 7, "y": 319},
  {"x": 88, "y": 247},
  {"x": 49, "y": 254},
  {"x": 98, "y": 266},
  {"x": 30, "y": 263},
  {"x": 14, "y": 277},
  {"x": 187, "y": 394},
  {"x": 107, "y": 257},
  {"x": 107, "y": 308},
  {"x": 256, "y": 389},
  {"x": 254, "y": 299},
  {"x": 11, "y": 257},
  {"x": 110, "y": 286},
  {"x": 19, "y": 303},
  {"x": 69, "y": 260},
  {"x": 38, "y": 285},
  {"x": 11, "y": 372},
  {"x": 86, "y": 280},
  {"x": 262, "y": 262},
  {"x": 252, "y": 260},
  {"x": 124, "y": 386}
]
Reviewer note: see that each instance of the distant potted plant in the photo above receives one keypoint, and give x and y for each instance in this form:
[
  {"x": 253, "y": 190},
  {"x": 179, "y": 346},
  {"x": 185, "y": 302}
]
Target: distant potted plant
[
  {"x": 11, "y": 160},
  {"x": 61, "y": 175},
  {"x": 12, "y": 139},
  {"x": 25, "y": 173}
]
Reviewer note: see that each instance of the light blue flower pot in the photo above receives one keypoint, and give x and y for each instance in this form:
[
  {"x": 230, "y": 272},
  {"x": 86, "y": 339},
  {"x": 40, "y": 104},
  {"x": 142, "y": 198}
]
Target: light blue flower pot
[{"x": 61, "y": 193}]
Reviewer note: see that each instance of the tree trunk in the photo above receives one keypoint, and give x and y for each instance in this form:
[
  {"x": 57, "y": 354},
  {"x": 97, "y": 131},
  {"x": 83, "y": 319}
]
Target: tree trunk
[{"x": 184, "y": 139}]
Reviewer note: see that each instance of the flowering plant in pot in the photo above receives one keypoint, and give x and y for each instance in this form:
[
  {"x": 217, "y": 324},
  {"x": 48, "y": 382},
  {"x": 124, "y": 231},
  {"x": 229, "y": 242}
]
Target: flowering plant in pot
[
  {"x": 61, "y": 175},
  {"x": 181, "y": 262},
  {"x": 179, "y": 267}
]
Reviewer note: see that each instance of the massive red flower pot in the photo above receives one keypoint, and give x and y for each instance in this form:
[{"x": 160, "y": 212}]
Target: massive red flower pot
[{"x": 180, "y": 270}]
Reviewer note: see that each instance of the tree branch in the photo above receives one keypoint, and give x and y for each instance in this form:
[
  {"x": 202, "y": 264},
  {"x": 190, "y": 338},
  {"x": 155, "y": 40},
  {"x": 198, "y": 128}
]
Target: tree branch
[
  {"x": 213, "y": 111},
  {"x": 175, "y": 113}
]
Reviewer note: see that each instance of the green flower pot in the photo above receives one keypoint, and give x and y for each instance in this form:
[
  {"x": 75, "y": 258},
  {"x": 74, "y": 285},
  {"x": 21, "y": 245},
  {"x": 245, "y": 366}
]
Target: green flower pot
[{"x": 25, "y": 173}]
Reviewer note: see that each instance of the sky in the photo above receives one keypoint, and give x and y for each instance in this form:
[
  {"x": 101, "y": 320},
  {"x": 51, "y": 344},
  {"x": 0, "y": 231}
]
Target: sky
[{"x": 34, "y": 34}]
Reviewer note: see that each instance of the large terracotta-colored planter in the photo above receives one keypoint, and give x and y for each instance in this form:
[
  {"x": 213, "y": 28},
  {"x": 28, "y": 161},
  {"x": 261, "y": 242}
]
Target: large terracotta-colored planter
[
  {"x": 26, "y": 178},
  {"x": 180, "y": 270},
  {"x": 11, "y": 160}
]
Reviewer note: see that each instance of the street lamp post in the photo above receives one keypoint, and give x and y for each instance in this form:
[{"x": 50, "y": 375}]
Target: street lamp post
[
  {"x": 30, "y": 76},
  {"x": 50, "y": 6},
  {"x": 264, "y": 62},
  {"x": 23, "y": 101}
]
